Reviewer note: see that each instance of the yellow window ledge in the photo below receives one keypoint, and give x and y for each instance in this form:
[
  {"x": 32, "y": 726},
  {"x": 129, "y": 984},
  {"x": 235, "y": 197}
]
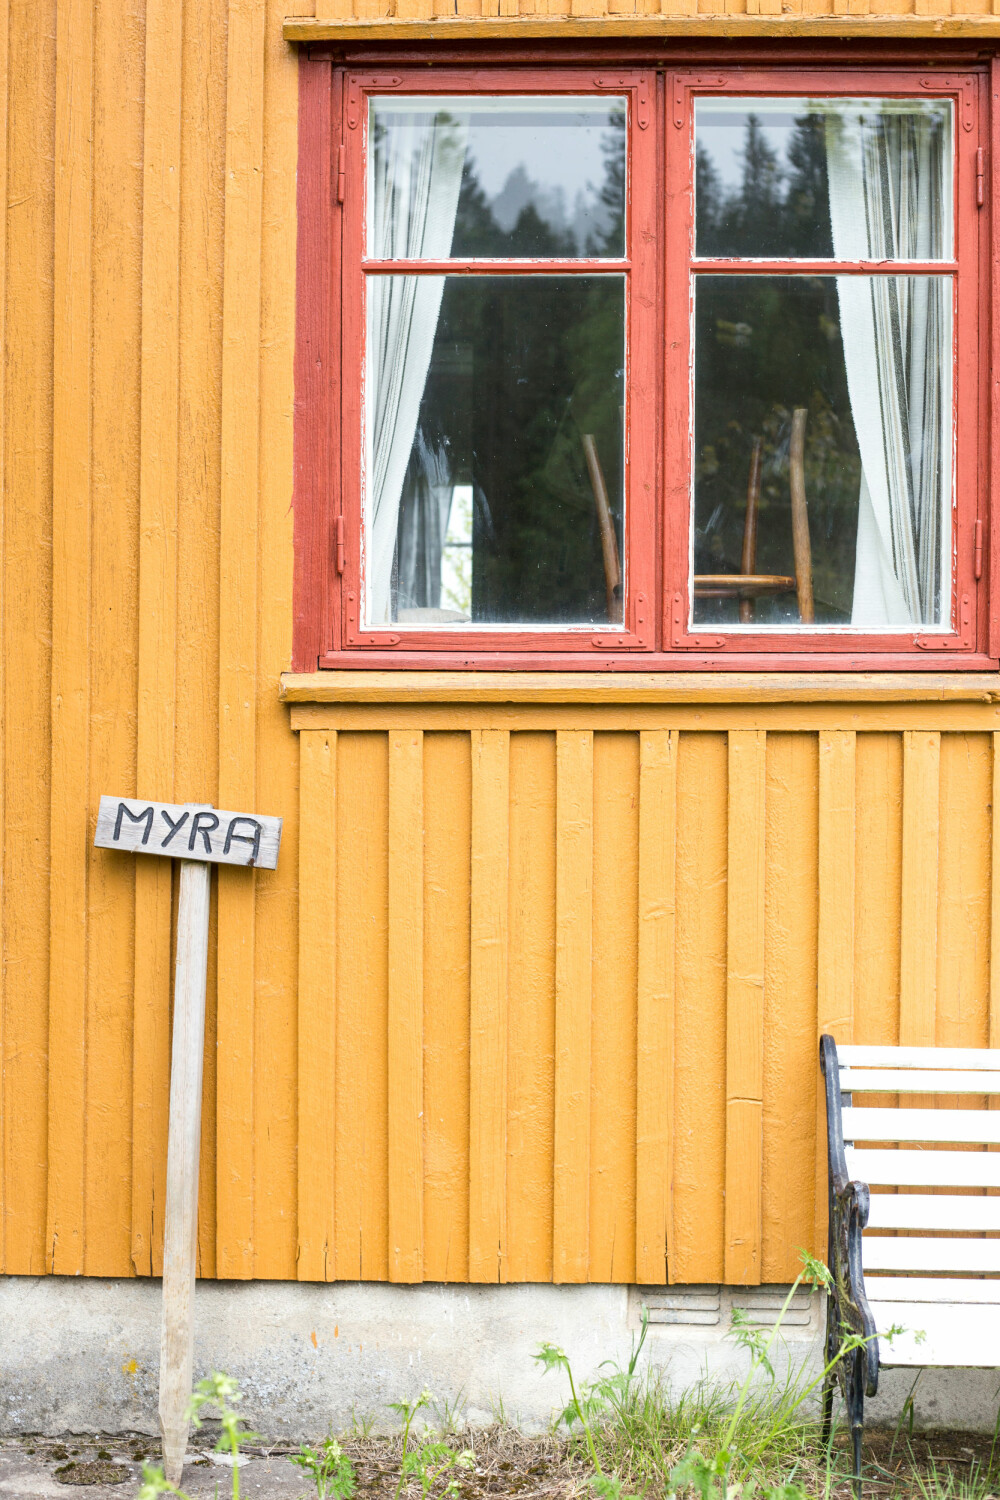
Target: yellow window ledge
[
  {"x": 306, "y": 29},
  {"x": 597, "y": 688}
]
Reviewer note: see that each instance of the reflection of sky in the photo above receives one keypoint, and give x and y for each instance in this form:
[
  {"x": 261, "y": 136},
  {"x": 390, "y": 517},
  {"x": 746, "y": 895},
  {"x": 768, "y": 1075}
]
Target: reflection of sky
[
  {"x": 557, "y": 141},
  {"x": 556, "y": 153},
  {"x": 723, "y": 136}
]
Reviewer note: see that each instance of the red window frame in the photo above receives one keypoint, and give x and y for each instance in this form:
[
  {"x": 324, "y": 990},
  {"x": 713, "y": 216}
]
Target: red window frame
[{"x": 659, "y": 267}]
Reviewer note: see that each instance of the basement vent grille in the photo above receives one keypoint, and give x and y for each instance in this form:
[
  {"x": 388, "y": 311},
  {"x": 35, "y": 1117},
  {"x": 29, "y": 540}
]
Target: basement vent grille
[
  {"x": 689, "y": 1305},
  {"x": 761, "y": 1305}
]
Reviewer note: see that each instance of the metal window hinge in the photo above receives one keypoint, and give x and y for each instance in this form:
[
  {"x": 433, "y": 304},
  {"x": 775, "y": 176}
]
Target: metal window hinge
[
  {"x": 338, "y": 540},
  {"x": 980, "y": 177},
  {"x": 341, "y": 171},
  {"x": 977, "y": 552}
]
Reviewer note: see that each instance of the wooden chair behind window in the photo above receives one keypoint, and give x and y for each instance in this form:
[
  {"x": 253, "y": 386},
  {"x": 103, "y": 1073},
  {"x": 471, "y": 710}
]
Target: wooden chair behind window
[{"x": 747, "y": 585}]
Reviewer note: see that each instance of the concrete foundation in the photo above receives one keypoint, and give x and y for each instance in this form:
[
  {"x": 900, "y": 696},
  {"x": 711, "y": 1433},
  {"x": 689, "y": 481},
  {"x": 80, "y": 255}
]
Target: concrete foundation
[{"x": 82, "y": 1355}]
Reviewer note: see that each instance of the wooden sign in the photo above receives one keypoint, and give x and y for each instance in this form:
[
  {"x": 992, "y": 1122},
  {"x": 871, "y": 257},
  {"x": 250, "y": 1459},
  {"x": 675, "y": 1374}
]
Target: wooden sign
[
  {"x": 191, "y": 832},
  {"x": 197, "y": 835}
]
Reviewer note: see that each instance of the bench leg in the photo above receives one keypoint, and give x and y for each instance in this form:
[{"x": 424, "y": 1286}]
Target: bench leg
[
  {"x": 830, "y": 1378},
  {"x": 856, "y": 1412},
  {"x": 828, "y": 1391}
]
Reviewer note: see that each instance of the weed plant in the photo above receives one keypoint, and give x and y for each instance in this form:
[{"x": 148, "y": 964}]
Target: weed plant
[
  {"x": 219, "y": 1393},
  {"x": 758, "y": 1436},
  {"x": 329, "y": 1467}
]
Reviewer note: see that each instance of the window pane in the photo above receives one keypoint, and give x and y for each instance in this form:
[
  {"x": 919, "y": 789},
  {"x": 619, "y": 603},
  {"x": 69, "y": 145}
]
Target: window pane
[
  {"x": 837, "y": 389},
  {"x": 857, "y": 179},
  {"x": 510, "y": 177},
  {"x": 495, "y": 468}
]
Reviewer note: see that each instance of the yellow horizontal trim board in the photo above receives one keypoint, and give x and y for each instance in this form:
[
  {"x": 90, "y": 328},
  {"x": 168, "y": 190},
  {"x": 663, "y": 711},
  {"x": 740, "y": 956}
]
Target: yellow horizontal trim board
[
  {"x": 640, "y": 687},
  {"x": 807, "y": 718},
  {"x": 305, "y": 29}
]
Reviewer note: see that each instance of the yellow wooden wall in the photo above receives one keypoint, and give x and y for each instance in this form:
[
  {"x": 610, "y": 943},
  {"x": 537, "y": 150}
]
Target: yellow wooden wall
[
  {"x": 571, "y": 1031},
  {"x": 147, "y": 283},
  {"x": 458, "y": 1063}
]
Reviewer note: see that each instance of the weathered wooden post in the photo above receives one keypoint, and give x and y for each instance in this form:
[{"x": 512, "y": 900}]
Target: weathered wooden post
[{"x": 203, "y": 837}]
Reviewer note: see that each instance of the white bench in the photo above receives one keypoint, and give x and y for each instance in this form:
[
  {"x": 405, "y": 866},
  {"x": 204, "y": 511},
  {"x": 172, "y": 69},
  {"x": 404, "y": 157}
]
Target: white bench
[{"x": 935, "y": 1276}]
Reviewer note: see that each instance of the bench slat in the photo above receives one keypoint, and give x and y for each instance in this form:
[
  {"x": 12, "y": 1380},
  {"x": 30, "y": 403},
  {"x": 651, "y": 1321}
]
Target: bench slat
[
  {"x": 890, "y": 1254},
  {"x": 920, "y": 1057},
  {"x": 977, "y": 1126},
  {"x": 946, "y": 1290},
  {"x": 968, "y": 1336},
  {"x": 923, "y": 1168},
  {"x": 932, "y": 1211},
  {"x": 917, "y": 1081}
]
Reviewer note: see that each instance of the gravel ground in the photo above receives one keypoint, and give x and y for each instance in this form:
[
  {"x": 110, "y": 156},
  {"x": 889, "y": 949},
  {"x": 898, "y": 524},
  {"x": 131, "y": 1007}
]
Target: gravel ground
[{"x": 506, "y": 1464}]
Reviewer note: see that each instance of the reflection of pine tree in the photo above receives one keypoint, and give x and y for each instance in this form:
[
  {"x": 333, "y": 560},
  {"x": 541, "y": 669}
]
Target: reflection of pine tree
[
  {"x": 709, "y": 199},
  {"x": 805, "y": 215},
  {"x": 612, "y": 195},
  {"x": 753, "y": 215},
  {"x": 476, "y": 230},
  {"x": 777, "y": 209}
]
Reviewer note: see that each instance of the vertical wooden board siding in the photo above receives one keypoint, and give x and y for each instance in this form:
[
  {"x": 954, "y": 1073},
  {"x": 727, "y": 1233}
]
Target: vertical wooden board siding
[
  {"x": 406, "y": 1004},
  {"x": 919, "y": 890},
  {"x": 27, "y": 620},
  {"x": 71, "y": 607},
  {"x": 836, "y": 882},
  {"x": 4, "y": 132},
  {"x": 964, "y": 892},
  {"x": 117, "y": 264},
  {"x": 700, "y": 1010},
  {"x": 878, "y": 883},
  {"x": 238, "y": 624},
  {"x": 835, "y": 894},
  {"x": 317, "y": 1008},
  {"x": 790, "y": 973},
  {"x": 157, "y": 608},
  {"x": 613, "y": 1024},
  {"x": 657, "y": 912},
  {"x": 531, "y": 1012},
  {"x": 488, "y": 1041},
  {"x": 745, "y": 1004},
  {"x": 447, "y": 844},
  {"x": 196, "y": 755},
  {"x": 361, "y": 1171},
  {"x": 574, "y": 1003},
  {"x": 275, "y": 968}
]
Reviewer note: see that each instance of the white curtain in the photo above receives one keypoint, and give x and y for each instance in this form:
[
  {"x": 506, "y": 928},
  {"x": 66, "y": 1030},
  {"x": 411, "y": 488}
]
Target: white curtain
[
  {"x": 889, "y": 174},
  {"x": 423, "y": 527},
  {"x": 413, "y": 200}
]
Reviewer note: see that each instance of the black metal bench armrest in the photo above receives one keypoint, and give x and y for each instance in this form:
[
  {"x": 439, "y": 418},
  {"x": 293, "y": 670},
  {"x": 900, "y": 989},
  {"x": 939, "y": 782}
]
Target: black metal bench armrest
[{"x": 848, "y": 1210}]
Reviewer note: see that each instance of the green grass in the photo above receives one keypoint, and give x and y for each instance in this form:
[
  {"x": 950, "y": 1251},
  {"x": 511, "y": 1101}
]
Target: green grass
[{"x": 757, "y": 1437}]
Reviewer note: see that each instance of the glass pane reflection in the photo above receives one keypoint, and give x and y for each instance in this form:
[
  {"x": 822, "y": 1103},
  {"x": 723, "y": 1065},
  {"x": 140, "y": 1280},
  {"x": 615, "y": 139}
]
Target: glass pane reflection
[
  {"x": 533, "y": 176},
  {"x": 810, "y": 178},
  {"x": 867, "y": 362},
  {"x": 507, "y": 505}
]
